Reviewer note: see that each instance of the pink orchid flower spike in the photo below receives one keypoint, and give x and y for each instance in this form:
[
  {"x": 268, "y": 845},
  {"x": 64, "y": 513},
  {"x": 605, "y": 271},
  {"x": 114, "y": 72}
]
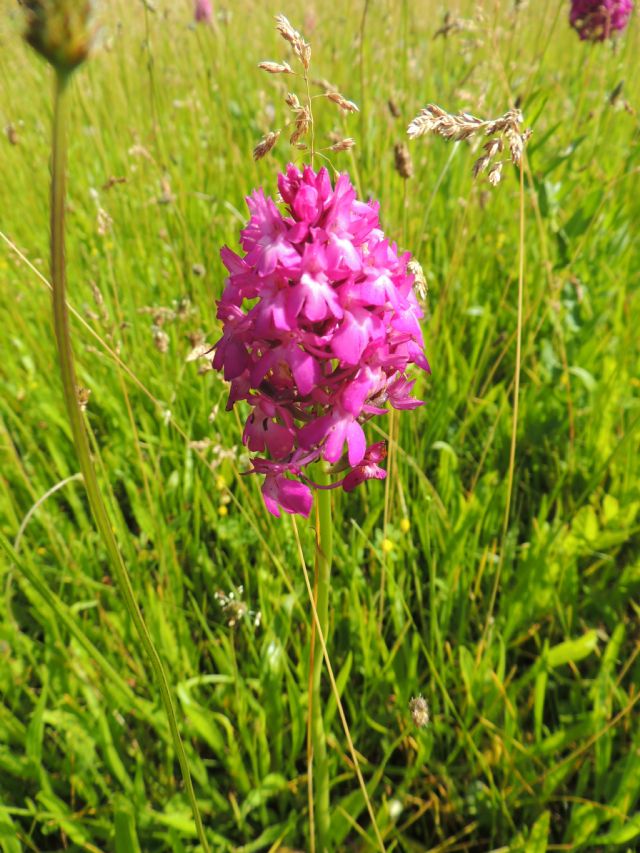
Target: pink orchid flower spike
[
  {"x": 319, "y": 326},
  {"x": 203, "y": 11}
]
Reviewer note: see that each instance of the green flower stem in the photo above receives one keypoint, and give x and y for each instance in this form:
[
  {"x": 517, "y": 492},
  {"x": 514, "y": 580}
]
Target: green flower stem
[
  {"x": 324, "y": 547},
  {"x": 81, "y": 439}
]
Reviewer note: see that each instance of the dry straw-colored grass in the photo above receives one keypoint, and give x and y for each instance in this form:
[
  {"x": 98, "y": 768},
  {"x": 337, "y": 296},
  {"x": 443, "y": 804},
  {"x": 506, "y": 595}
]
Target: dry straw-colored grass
[
  {"x": 302, "y": 118},
  {"x": 504, "y": 132}
]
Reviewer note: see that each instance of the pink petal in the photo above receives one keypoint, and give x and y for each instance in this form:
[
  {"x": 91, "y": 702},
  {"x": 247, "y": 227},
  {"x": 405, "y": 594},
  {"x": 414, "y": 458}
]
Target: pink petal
[{"x": 356, "y": 443}]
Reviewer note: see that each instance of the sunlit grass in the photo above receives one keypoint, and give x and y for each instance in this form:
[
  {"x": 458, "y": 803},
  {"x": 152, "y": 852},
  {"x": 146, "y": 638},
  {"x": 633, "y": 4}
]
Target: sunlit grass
[{"x": 532, "y": 734}]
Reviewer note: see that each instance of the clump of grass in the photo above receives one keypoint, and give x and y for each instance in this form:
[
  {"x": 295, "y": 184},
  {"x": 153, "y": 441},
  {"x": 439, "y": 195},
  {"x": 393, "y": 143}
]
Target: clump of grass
[{"x": 62, "y": 31}]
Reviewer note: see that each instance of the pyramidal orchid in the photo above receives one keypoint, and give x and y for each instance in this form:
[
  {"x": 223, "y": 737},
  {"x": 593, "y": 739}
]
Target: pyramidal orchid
[
  {"x": 598, "y": 20},
  {"x": 319, "y": 325},
  {"x": 203, "y": 11}
]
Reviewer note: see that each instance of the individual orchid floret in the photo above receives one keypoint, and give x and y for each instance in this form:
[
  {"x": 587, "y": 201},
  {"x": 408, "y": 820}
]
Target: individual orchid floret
[
  {"x": 368, "y": 468},
  {"x": 280, "y": 492},
  {"x": 319, "y": 326}
]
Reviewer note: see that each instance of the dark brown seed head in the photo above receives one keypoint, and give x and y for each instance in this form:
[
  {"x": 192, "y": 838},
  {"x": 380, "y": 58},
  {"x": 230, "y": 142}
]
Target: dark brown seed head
[
  {"x": 403, "y": 164},
  {"x": 62, "y": 31}
]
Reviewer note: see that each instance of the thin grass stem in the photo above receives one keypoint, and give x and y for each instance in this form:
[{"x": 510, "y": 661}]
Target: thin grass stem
[
  {"x": 81, "y": 439},
  {"x": 334, "y": 689},
  {"x": 514, "y": 425},
  {"x": 324, "y": 549}
]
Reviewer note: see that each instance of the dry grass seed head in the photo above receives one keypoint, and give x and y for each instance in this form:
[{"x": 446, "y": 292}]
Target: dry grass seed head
[
  {"x": 303, "y": 114},
  {"x": 495, "y": 173},
  {"x": 461, "y": 126},
  {"x": 276, "y": 67},
  {"x": 419, "y": 710},
  {"x": 451, "y": 24},
  {"x": 292, "y": 102},
  {"x": 343, "y": 144},
  {"x": 393, "y": 108},
  {"x": 300, "y": 47},
  {"x": 414, "y": 267},
  {"x": 324, "y": 84},
  {"x": 342, "y": 102},
  {"x": 265, "y": 145},
  {"x": 402, "y": 160},
  {"x": 303, "y": 122}
]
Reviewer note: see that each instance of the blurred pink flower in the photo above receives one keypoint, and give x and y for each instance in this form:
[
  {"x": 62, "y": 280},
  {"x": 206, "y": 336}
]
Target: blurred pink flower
[
  {"x": 319, "y": 324},
  {"x": 597, "y": 20},
  {"x": 203, "y": 11}
]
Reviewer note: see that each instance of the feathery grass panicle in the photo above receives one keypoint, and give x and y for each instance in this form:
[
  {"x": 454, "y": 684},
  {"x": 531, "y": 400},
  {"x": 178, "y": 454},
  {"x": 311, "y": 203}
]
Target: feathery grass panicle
[
  {"x": 301, "y": 48},
  {"x": 302, "y": 118},
  {"x": 458, "y": 127},
  {"x": 265, "y": 145}
]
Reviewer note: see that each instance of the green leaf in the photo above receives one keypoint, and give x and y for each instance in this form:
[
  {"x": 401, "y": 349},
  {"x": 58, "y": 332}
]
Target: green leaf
[
  {"x": 9, "y": 842},
  {"x": 572, "y": 651},
  {"x": 125, "y": 827},
  {"x": 539, "y": 834}
]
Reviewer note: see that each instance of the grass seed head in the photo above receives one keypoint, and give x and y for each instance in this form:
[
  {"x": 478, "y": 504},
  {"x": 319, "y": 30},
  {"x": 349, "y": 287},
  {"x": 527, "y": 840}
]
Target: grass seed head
[
  {"x": 303, "y": 122},
  {"x": 495, "y": 174},
  {"x": 402, "y": 160},
  {"x": 460, "y": 126},
  {"x": 342, "y": 102},
  {"x": 419, "y": 711},
  {"x": 160, "y": 339},
  {"x": 276, "y": 67},
  {"x": 300, "y": 47},
  {"x": 343, "y": 144},
  {"x": 12, "y": 134},
  {"x": 62, "y": 31},
  {"x": 265, "y": 145},
  {"x": 292, "y": 102},
  {"x": 414, "y": 267},
  {"x": 394, "y": 109}
]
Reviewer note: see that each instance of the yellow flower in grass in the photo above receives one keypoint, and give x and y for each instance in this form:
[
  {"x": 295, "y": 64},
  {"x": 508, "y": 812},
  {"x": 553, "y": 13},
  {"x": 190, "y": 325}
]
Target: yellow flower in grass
[{"x": 387, "y": 546}]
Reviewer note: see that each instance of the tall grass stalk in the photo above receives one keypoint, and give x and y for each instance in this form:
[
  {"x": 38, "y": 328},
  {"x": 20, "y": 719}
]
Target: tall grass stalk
[
  {"x": 334, "y": 689},
  {"x": 516, "y": 402},
  {"x": 80, "y": 436},
  {"x": 324, "y": 554}
]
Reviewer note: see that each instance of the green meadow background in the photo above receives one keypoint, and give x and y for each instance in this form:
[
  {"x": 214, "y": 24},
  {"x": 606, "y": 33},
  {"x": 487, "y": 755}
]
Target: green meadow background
[{"x": 524, "y": 645}]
